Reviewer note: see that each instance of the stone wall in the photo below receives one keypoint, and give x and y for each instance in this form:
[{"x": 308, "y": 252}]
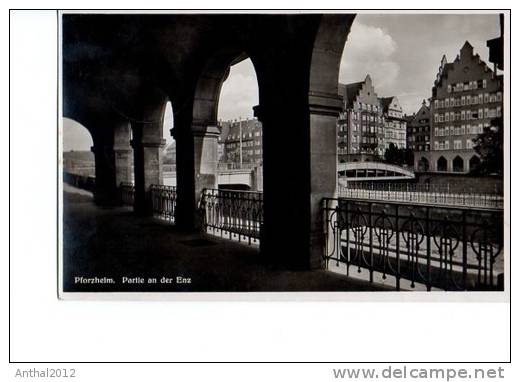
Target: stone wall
[{"x": 464, "y": 182}]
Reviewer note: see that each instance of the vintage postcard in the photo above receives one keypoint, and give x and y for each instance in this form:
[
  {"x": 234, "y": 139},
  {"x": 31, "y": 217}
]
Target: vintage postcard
[{"x": 285, "y": 152}]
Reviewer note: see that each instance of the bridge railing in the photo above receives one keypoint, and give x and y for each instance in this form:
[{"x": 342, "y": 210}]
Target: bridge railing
[
  {"x": 236, "y": 215},
  {"x": 419, "y": 193},
  {"x": 164, "y": 201},
  {"x": 237, "y": 166},
  {"x": 412, "y": 246}
]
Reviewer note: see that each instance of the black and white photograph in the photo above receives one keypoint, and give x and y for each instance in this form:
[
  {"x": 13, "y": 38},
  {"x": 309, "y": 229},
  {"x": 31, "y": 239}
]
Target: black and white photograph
[
  {"x": 260, "y": 194},
  {"x": 333, "y": 152}
]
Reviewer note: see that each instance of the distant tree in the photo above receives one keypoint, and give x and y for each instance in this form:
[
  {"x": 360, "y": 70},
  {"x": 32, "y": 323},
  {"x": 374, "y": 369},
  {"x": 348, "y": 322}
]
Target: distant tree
[
  {"x": 392, "y": 154},
  {"x": 490, "y": 147},
  {"x": 397, "y": 156}
]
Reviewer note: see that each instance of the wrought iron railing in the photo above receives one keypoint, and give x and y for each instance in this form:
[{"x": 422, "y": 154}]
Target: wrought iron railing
[
  {"x": 419, "y": 194},
  {"x": 127, "y": 194},
  {"x": 412, "y": 246},
  {"x": 234, "y": 214},
  {"x": 163, "y": 202}
]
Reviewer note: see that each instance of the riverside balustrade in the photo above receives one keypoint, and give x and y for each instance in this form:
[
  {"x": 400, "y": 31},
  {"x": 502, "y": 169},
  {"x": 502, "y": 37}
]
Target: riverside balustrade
[
  {"x": 127, "y": 193},
  {"x": 236, "y": 215},
  {"x": 164, "y": 199},
  {"x": 412, "y": 245},
  {"x": 420, "y": 193}
]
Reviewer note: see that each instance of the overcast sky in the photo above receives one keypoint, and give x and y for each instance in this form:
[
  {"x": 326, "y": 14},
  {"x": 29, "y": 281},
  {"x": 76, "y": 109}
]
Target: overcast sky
[{"x": 401, "y": 53}]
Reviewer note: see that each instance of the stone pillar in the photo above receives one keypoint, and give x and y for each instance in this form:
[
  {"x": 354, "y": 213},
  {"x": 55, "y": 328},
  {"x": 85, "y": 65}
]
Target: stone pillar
[
  {"x": 450, "y": 163},
  {"x": 197, "y": 162},
  {"x": 148, "y": 146},
  {"x": 324, "y": 111},
  {"x": 105, "y": 192},
  {"x": 284, "y": 234},
  {"x": 205, "y": 145},
  {"x": 123, "y": 153}
]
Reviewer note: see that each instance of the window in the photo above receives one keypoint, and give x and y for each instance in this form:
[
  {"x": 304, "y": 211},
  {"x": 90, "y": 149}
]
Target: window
[
  {"x": 469, "y": 144},
  {"x": 463, "y": 101},
  {"x": 480, "y": 98},
  {"x": 436, "y": 104},
  {"x": 499, "y": 97},
  {"x": 499, "y": 111},
  {"x": 480, "y": 113},
  {"x": 446, "y": 145},
  {"x": 486, "y": 97},
  {"x": 449, "y": 88},
  {"x": 436, "y": 118},
  {"x": 457, "y": 145},
  {"x": 484, "y": 84}
]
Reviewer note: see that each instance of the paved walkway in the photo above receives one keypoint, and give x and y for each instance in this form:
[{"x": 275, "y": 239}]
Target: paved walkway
[{"x": 112, "y": 243}]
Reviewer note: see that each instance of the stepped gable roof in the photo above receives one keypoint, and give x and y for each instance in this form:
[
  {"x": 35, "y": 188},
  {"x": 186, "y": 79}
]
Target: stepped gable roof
[
  {"x": 385, "y": 102},
  {"x": 350, "y": 91}
]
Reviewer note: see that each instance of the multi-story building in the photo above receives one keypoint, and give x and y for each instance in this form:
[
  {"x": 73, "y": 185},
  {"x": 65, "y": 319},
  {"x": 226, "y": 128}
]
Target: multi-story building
[
  {"x": 242, "y": 144},
  {"x": 418, "y": 137},
  {"x": 394, "y": 122},
  {"x": 360, "y": 124},
  {"x": 170, "y": 154},
  {"x": 466, "y": 96}
]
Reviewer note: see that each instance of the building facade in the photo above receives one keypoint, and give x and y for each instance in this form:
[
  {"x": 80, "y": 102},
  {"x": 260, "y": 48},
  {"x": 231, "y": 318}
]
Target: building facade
[
  {"x": 241, "y": 142},
  {"x": 418, "y": 137},
  {"x": 360, "y": 124},
  {"x": 466, "y": 96},
  {"x": 394, "y": 122}
]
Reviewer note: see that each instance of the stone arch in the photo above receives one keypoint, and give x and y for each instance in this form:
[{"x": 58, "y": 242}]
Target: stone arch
[
  {"x": 204, "y": 126},
  {"x": 209, "y": 85},
  {"x": 423, "y": 164},
  {"x": 458, "y": 164},
  {"x": 78, "y": 158},
  {"x": 442, "y": 164},
  {"x": 324, "y": 108},
  {"x": 328, "y": 48},
  {"x": 147, "y": 142}
]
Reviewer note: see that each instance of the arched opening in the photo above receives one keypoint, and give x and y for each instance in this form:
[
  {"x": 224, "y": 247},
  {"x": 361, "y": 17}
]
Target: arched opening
[
  {"x": 423, "y": 165},
  {"x": 474, "y": 163},
  {"x": 442, "y": 164},
  {"x": 79, "y": 166},
  {"x": 240, "y": 140},
  {"x": 169, "y": 153},
  {"x": 458, "y": 164},
  {"x": 78, "y": 157}
]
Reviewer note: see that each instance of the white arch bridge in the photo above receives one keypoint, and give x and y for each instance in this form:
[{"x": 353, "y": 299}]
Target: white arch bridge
[
  {"x": 369, "y": 171},
  {"x": 352, "y": 172}
]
